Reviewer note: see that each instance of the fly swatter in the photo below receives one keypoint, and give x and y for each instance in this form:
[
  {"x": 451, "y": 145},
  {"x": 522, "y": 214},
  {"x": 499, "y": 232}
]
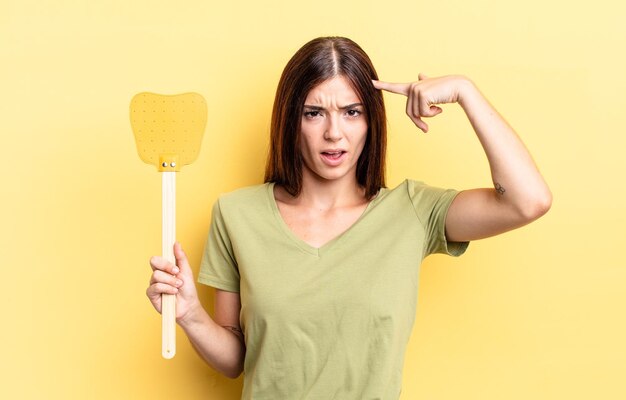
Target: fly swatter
[{"x": 168, "y": 132}]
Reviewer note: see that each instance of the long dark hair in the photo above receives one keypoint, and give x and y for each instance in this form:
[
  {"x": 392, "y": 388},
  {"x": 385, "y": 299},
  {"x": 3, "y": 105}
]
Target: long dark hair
[{"x": 315, "y": 62}]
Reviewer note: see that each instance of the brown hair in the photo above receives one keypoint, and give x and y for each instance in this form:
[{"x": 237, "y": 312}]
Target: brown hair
[{"x": 315, "y": 62}]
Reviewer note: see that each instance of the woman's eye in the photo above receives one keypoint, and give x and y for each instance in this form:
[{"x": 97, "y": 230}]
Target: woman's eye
[
  {"x": 312, "y": 114},
  {"x": 354, "y": 112}
]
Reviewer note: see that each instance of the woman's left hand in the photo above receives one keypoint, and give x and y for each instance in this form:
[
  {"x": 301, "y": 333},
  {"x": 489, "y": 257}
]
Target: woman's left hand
[
  {"x": 424, "y": 95},
  {"x": 480, "y": 213}
]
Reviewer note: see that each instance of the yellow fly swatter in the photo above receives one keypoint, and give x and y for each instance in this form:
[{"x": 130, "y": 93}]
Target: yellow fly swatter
[{"x": 168, "y": 132}]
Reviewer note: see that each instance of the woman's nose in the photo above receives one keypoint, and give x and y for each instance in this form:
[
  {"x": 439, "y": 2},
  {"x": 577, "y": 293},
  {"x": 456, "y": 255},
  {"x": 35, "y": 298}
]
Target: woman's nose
[{"x": 333, "y": 130}]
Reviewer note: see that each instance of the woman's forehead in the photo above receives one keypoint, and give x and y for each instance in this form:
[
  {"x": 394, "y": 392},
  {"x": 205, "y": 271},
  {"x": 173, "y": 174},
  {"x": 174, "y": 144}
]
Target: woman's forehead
[{"x": 337, "y": 90}]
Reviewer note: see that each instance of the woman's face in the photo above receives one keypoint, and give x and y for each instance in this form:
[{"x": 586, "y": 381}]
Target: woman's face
[{"x": 333, "y": 130}]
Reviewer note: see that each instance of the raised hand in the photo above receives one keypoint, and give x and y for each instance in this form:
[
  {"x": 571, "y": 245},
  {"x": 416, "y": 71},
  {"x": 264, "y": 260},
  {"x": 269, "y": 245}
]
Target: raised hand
[{"x": 424, "y": 95}]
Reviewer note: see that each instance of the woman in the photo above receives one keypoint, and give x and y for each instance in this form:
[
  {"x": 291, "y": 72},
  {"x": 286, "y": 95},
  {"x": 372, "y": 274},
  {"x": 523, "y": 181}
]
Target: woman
[{"x": 316, "y": 270}]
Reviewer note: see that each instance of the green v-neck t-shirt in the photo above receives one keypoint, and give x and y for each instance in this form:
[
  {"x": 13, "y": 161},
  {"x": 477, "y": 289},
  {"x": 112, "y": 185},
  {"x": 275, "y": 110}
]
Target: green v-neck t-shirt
[{"x": 331, "y": 322}]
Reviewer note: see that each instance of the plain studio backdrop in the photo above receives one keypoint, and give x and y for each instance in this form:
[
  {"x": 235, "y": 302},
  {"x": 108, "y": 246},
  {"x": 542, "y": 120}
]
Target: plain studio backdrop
[{"x": 537, "y": 313}]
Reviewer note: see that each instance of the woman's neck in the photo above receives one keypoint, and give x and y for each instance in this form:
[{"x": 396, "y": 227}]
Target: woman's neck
[{"x": 326, "y": 194}]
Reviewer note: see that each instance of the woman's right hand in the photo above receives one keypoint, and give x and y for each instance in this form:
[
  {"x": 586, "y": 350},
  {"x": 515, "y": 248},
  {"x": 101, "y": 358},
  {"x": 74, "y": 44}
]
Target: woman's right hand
[{"x": 173, "y": 279}]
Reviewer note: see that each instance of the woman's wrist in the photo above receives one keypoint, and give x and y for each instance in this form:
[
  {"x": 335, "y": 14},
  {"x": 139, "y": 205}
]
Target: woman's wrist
[
  {"x": 195, "y": 315},
  {"x": 467, "y": 91}
]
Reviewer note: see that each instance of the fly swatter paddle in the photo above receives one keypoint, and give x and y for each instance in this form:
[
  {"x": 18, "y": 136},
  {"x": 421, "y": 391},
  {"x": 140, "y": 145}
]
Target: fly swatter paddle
[{"x": 168, "y": 132}]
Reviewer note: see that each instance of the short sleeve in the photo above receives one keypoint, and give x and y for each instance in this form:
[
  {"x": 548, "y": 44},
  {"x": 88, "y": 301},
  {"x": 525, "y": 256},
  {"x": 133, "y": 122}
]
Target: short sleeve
[
  {"x": 218, "y": 267},
  {"x": 431, "y": 205}
]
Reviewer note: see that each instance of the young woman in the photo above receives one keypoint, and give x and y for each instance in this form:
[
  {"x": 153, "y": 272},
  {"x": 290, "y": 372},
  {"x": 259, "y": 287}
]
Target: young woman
[{"x": 316, "y": 270}]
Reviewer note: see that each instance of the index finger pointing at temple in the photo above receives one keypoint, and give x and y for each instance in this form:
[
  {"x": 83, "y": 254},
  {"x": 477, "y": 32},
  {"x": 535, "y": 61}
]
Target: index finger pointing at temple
[{"x": 399, "y": 88}]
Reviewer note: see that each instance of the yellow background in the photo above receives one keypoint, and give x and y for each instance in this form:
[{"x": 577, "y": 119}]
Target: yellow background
[{"x": 533, "y": 314}]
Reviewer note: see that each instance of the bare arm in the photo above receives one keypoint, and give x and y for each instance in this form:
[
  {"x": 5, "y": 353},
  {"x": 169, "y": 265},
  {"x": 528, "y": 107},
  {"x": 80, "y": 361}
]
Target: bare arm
[
  {"x": 520, "y": 194},
  {"x": 219, "y": 342}
]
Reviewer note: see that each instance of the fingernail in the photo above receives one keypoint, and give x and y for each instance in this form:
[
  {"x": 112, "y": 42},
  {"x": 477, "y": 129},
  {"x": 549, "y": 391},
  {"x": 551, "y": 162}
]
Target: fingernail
[
  {"x": 175, "y": 270},
  {"x": 179, "y": 282}
]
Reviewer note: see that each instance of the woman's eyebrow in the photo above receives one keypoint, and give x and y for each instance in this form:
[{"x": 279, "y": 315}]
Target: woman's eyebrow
[{"x": 320, "y": 108}]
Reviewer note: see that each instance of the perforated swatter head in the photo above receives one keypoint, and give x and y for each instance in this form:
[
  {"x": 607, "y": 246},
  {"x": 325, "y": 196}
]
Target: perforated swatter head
[{"x": 168, "y": 129}]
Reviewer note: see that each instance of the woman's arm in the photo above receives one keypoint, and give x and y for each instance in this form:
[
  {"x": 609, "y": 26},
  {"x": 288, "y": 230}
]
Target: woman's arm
[
  {"x": 520, "y": 194},
  {"x": 219, "y": 342}
]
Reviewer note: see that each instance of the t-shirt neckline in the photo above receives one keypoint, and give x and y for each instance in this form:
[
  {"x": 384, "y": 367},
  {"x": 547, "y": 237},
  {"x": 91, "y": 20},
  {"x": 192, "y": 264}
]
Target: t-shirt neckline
[{"x": 316, "y": 251}]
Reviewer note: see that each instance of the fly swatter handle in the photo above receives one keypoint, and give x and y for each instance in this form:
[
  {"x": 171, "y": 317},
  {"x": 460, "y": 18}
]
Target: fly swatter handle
[{"x": 168, "y": 301}]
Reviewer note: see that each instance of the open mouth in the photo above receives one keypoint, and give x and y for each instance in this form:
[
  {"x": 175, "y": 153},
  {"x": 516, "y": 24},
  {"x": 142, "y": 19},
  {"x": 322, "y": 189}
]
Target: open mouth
[
  {"x": 333, "y": 155},
  {"x": 333, "y": 158}
]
